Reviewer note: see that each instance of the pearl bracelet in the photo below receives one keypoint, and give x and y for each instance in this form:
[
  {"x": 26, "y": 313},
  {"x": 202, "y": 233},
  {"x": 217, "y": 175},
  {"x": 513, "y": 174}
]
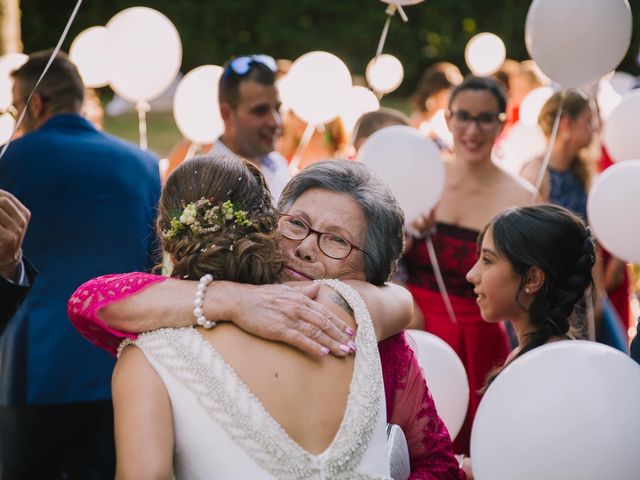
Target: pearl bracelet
[{"x": 198, "y": 302}]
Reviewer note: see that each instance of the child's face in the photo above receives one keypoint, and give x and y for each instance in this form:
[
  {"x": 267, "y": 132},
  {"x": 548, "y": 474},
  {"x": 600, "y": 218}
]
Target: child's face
[{"x": 496, "y": 284}]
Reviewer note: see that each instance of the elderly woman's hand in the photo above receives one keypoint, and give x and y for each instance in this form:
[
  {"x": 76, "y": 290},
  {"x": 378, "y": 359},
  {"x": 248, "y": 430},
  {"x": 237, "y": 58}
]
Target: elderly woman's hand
[{"x": 288, "y": 314}]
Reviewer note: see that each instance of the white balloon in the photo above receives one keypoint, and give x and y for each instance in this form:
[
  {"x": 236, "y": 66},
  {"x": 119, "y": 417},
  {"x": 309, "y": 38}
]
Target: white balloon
[
  {"x": 317, "y": 84},
  {"x": 402, "y": 3},
  {"x": 608, "y": 99},
  {"x": 360, "y": 100},
  {"x": 532, "y": 104},
  {"x": 484, "y": 54},
  {"x": 522, "y": 143},
  {"x": 446, "y": 378},
  {"x": 9, "y": 63},
  {"x": 195, "y": 105},
  {"x": 613, "y": 212},
  {"x": 385, "y": 73},
  {"x": 7, "y": 123},
  {"x": 621, "y": 130},
  {"x": 88, "y": 51},
  {"x": 577, "y": 41},
  {"x": 144, "y": 53},
  {"x": 437, "y": 127},
  {"x": 622, "y": 82},
  {"x": 564, "y": 411},
  {"x": 410, "y": 164}
]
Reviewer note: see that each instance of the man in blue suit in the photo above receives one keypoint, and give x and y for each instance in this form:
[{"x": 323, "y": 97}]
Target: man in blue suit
[{"x": 92, "y": 199}]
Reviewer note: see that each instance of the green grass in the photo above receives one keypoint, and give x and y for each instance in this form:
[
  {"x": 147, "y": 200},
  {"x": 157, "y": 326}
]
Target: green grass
[{"x": 162, "y": 133}]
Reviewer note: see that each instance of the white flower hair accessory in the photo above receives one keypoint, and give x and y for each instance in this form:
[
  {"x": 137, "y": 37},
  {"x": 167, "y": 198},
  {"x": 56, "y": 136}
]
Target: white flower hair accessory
[{"x": 205, "y": 216}]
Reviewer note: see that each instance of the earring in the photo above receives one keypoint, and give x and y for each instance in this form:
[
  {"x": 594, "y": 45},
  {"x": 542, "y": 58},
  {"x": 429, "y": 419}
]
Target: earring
[{"x": 526, "y": 290}]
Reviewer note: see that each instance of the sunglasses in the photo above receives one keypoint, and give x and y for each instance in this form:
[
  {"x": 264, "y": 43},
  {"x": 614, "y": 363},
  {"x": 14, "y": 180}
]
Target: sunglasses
[{"x": 242, "y": 65}]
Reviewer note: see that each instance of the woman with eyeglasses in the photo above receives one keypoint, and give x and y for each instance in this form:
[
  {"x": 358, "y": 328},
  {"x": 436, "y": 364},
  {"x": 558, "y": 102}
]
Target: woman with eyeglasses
[
  {"x": 338, "y": 221},
  {"x": 476, "y": 189},
  {"x": 206, "y": 402}
]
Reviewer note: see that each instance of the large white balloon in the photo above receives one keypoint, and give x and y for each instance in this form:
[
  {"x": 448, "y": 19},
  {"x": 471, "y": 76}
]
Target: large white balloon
[
  {"x": 360, "y": 100},
  {"x": 577, "y": 41},
  {"x": 195, "y": 105},
  {"x": 384, "y": 73},
  {"x": 144, "y": 53},
  {"x": 9, "y": 63},
  {"x": 532, "y": 104},
  {"x": 317, "y": 84},
  {"x": 446, "y": 377},
  {"x": 484, "y": 54},
  {"x": 522, "y": 143},
  {"x": 613, "y": 209},
  {"x": 564, "y": 411},
  {"x": 88, "y": 51},
  {"x": 621, "y": 129},
  {"x": 410, "y": 164}
]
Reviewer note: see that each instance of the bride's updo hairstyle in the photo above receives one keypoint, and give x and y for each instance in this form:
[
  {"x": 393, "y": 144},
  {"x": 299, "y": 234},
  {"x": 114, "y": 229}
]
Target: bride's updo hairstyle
[
  {"x": 558, "y": 242},
  {"x": 216, "y": 216}
]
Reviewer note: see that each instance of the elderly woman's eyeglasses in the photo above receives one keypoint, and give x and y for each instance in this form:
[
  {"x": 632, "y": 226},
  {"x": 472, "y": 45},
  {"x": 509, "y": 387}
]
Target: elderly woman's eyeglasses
[
  {"x": 485, "y": 120},
  {"x": 332, "y": 245}
]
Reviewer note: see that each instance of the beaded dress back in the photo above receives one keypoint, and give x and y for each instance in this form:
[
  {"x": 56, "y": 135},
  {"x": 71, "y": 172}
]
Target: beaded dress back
[{"x": 223, "y": 431}]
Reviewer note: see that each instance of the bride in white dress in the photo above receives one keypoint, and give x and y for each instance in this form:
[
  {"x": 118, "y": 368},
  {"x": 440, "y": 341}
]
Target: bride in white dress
[{"x": 220, "y": 403}]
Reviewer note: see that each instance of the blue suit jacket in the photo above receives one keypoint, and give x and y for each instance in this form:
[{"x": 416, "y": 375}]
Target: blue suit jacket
[{"x": 93, "y": 201}]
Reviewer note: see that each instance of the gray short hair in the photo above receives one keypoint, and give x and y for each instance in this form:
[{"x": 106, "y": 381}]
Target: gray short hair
[{"x": 383, "y": 237}]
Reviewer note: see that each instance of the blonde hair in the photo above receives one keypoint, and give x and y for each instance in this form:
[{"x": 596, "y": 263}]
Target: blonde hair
[{"x": 574, "y": 102}]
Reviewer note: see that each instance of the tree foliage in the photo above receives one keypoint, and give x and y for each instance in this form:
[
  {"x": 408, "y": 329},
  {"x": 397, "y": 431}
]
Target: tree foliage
[{"x": 214, "y": 30}]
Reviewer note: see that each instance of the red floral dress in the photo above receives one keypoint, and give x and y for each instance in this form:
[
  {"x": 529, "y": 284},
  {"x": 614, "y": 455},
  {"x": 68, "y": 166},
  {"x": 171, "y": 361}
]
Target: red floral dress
[{"x": 481, "y": 346}]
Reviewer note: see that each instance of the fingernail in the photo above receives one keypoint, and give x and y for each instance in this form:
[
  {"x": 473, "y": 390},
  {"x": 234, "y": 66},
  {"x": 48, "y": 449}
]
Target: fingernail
[
  {"x": 352, "y": 346},
  {"x": 345, "y": 348},
  {"x": 350, "y": 332},
  {"x": 324, "y": 350}
]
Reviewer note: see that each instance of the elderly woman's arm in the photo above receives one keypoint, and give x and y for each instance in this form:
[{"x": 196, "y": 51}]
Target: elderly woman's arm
[
  {"x": 106, "y": 308},
  {"x": 390, "y": 306}
]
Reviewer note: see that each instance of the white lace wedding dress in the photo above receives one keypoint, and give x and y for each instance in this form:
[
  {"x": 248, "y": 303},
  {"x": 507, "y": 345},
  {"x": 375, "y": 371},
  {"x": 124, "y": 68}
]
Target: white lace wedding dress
[{"x": 222, "y": 431}]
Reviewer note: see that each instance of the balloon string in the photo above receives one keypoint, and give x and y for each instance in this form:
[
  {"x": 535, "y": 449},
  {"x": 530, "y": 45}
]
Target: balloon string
[
  {"x": 440, "y": 280},
  {"x": 552, "y": 141},
  {"x": 391, "y": 9},
  {"x": 304, "y": 141},
  {"x": 142, "y": 108},
  {"x": 191, "y": 151},
  {"x": 46, "y": 69}
]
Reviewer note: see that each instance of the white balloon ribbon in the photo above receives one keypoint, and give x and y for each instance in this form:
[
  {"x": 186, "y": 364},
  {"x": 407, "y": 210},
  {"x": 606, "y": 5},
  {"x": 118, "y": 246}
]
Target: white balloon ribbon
[
  {"x": 142, "y": 108},
  {"x": 552, "y": 141},
  {"x": 46, "y": 69},
  {"x": 304, "y": 141},
  {"x": 440, "y": 280},
  {"x": 390, "y": 11}
]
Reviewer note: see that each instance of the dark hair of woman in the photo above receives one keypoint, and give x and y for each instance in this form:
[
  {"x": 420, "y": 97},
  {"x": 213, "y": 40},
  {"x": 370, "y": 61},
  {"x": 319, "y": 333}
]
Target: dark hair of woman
[
  {"x": 482, "y": 83},
  {"x": 555, "y": 240},
  {"x": 242, "y": 247}
]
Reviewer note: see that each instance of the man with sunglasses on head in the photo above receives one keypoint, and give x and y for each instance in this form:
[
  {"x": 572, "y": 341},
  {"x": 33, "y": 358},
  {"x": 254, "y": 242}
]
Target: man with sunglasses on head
[
  {"x": 249, "y": 106},
  {"x": 92, "y": 199}
]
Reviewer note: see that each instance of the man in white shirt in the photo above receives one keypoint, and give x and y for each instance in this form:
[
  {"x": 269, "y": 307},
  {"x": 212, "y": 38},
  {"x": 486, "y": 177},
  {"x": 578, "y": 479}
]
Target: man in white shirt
[{"x": 249, "y": 105}]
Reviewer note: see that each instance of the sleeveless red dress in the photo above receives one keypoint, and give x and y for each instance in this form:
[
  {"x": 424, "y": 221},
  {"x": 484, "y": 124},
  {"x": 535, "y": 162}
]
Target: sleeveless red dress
[{"x": 481, "y": 346}]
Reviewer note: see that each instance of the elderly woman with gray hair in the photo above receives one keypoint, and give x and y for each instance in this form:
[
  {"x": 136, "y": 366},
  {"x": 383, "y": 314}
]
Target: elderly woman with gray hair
[{"x": 330, "y": 204}]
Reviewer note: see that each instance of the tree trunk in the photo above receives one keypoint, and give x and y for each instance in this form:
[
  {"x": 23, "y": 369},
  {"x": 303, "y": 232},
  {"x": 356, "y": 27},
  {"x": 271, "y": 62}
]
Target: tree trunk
[{"x": 10, "y": 35}]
